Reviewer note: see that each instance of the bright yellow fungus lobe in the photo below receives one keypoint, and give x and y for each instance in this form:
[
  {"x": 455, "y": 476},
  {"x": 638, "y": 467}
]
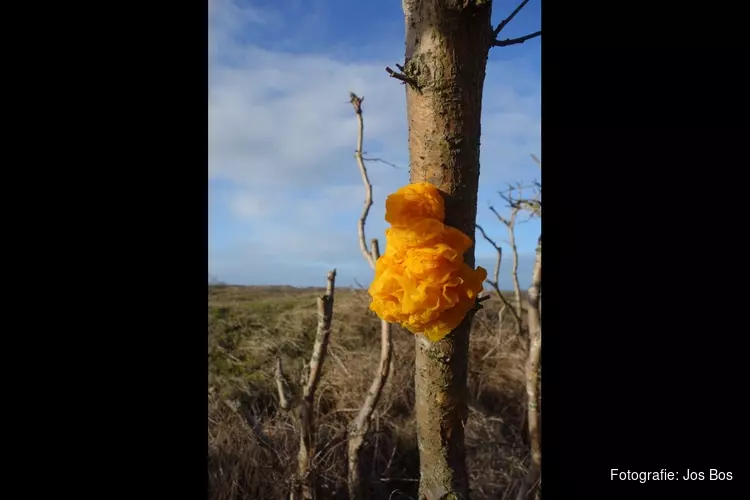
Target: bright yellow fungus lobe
[{"x": 421, "y": 281}]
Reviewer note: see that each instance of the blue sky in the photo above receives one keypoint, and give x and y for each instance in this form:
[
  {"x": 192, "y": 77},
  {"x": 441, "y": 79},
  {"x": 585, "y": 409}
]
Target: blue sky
[{"x": 285, "y": 192}]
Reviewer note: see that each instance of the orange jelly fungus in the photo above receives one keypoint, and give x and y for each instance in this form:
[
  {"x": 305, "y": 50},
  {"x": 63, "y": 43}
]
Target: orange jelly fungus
[{"x": 421, "y": 281}]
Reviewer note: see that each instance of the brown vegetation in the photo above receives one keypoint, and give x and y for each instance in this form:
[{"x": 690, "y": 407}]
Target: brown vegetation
[{"x": 253, "y": 444}]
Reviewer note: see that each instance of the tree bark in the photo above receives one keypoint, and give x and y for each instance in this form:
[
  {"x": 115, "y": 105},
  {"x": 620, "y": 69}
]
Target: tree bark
[
  {"x": 447, "y": 42},
  {"x": 530, "y": 485}
]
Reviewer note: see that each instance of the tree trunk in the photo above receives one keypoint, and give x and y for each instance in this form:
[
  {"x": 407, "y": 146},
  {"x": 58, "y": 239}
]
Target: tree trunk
[
  {"x": 530, "y": 486},
  {"x": 447, "y": 42}
]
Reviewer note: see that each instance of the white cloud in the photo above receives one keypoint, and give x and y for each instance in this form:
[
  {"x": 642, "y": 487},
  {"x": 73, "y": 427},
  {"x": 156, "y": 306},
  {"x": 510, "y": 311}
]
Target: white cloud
[
  {"x": 250, "y": 206},
  {"x": 281, "y": 120},
  {"x": 282, "y": 134}
]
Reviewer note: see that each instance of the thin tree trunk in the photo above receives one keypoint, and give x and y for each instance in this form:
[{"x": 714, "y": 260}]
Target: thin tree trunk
[
  {"x": 532, "y": 480},
  {"x": 361, "y": 425},
  {"x": 447, "y": 42},
  {"x": 305, "y": 480},
  {"x": 516, "y": 284}
]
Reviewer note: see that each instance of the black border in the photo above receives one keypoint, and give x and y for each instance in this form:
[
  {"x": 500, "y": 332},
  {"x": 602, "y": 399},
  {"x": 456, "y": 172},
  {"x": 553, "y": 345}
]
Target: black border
[
  {"x": 642, "y": 359},
  {"x": 144, "y": 208},
  {"x": 641, "y": 114}
]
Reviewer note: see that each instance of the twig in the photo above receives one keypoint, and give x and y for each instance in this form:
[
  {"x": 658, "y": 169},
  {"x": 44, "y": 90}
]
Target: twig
[
  {"x": 504, "y": 23},
  {"x": 518, "y": 187},
  {"x": 390, "y": 460},
  {"x": 382, "y": 161},
  {"x": 499, "y": 250},
  {"x": 506, "y": 303},
  {"x": 508, "y": 19},
  {"x": 517, "y": 204},
  {"x": 495, "y": 283},
  {"x": 499, "y": 337},
  {"x": 402, "y": 78},
  {"x": 537, "y": 161},
  {"x": 532, "y": 205},
  {"x": 357, "y": 104},
  {"x": 340, "y": 363},
  {"x": 510, "y": 224},
  {"x": 513, "y": 41}
]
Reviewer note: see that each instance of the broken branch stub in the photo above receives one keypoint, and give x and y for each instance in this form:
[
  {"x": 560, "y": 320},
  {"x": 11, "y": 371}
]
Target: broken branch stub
[
  {"x": 303, "y": 485},
  {"x": 285, "y": 397}
]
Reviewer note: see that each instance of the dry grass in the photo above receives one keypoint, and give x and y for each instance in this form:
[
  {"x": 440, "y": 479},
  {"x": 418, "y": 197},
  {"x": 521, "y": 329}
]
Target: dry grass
[{"x": 253, "y": 444}]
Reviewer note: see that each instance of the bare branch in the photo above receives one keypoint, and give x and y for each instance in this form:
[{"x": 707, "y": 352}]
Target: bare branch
[
  {"x": 499, "y": 251},
  {"x": 518, "y": 188},
  {"x": 510, "y": 223},
  {"x": 508, "y": 19},
  {"x": 325, "y": 316},
  {"x": 515, "y": 201},
  {"x": 285, "y": 398},
  {"x": 402, "y": 77},
  {"x": 494, "y": 283},
  {"x": 504, "y": 23},
  {"x": 376, "y": 255},
  {"x": 507, "y": 305},
  {"x": 382, "y": 161},
  {"x": 495, "y": 245},
  {"x": 536, "y": 160},
  {"x": 503, "y": 220},
  {"x": 357, "y": 104},
  {"x": 361, "y": 424},
  {"x": 514, "y": 41}
]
